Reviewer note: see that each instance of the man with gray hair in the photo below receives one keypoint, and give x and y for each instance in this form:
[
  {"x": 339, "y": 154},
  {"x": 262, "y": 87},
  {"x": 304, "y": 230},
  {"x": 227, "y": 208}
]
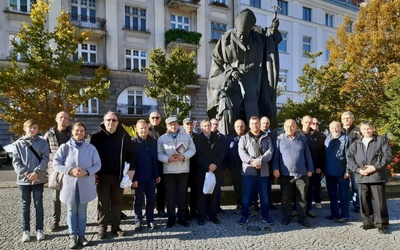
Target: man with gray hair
[{"x": 56, "y": 136}]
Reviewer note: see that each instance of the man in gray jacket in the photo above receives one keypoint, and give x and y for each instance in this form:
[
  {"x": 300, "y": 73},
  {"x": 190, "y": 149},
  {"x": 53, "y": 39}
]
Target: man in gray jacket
[{"x": 255, "y": 151}]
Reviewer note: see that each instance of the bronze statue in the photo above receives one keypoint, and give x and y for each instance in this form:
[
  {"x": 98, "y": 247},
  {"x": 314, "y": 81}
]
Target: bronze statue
[{"x": 244, "y": 73}]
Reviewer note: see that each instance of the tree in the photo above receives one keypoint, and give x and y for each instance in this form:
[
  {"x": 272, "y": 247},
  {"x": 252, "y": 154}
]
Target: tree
[
  {"x": 37, "y": 86},
  {"x": 366, "y": 55},
  {"x": 169, "y": 78}
]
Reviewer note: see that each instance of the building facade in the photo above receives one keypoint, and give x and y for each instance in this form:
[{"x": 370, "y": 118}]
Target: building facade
[{"x": 125, "y": 32}]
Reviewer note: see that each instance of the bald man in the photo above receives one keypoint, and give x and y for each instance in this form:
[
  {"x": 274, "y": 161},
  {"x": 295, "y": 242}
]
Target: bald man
[{"x": 292, "y": 163}]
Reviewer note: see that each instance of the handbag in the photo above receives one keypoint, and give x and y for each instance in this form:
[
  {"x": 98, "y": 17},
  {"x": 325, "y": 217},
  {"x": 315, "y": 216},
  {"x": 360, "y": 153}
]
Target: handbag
[
  {"x": 55, "y": 180},
  {"x": 209, "y": 183}
]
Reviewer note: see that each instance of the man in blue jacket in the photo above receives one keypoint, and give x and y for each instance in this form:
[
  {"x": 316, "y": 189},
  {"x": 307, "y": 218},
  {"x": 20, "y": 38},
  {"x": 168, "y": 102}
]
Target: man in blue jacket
[{"x": 146, "y": 174}]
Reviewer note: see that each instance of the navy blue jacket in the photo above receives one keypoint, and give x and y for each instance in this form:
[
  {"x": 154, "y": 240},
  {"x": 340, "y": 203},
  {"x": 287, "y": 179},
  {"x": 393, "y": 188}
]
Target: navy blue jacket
[
  {"x": 146, "y": 162},
  {"x": 232, "y": 158},
  {"x": 335, "y": 155}
]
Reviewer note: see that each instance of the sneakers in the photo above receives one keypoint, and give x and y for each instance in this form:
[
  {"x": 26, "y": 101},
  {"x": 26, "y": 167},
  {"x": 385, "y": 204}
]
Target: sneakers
[
  {"x": 243, "y": 221},
  {"x": 253, "y": 212},
  {"x": 268, "y": 220},
  {"x": 238, "y": 209},
  {"x": 83, "y": 241},
  {"x": 39, "y": 235},
  {"x": 318, "y": 205},
  {"x": 73, "y": 242},
  {"x": 26, "y": 236},
  {"x": 102, "y": 234}
]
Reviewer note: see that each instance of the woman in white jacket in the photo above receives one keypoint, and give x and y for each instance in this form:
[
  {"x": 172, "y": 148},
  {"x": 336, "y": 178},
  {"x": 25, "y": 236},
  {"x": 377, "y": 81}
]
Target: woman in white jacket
[{"x": 78, "y": 161}]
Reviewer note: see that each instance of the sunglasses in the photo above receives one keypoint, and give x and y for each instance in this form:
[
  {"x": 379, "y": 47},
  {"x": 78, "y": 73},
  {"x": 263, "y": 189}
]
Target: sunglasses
[
  {"x": 155, "y": 117},
  {"x": 113, "y": 120}
]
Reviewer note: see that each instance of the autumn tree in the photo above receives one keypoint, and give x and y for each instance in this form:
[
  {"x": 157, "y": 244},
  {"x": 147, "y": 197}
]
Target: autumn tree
[
  {"x": 366, "y": 55},
  {"x": 38, "y": 84},
  {"x": 169, "y": 78}
]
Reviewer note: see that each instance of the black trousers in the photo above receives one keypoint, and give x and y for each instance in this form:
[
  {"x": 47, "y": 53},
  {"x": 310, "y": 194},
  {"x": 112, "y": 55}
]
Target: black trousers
[
  {"x": 373, "y": 202},
  {"x": 294, "y": 190},
  {"x": 160, "y": 198},
  {"x": 206, "y": 203},
  {"x": 176, "y": 191},
  {"x": 109, "y": 204}
]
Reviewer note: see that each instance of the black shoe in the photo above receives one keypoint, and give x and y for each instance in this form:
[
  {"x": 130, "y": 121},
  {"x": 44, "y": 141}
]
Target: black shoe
[
  {"x": 215, "y": 221},
  {"x": 102, "y": 234},
  {"x": 123, "y": 216},
  {"x": 356, "y": 210},
  {"x": 200, "y": 222},
  {"x": 118, "y": 232},
  {"x": 54, "y": 227},
  {"x": 170, "y": 224},
  {"x": 193, "y": 215},
  {"x": 220, "y": 210},
  {"x": 311, "y": 214},
  {"x": 161, "y": 213},
  {"x": 73, "y": 242},
  {"x": 382, "y": 230},
  {"x": 367, "y": 226},
  {"x": 83, "y": 241},
  {"x": 183, "y": 223},
  {"x": 285, "y": 221},
  {"x": 305, "y": 223},
  {"x": 273, "y": 207}
]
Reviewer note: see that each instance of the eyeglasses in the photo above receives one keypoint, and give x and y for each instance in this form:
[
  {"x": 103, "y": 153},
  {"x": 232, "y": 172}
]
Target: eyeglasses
[
  {"x": 109, "y": 120},
  {"x": 315, "y": 123},
  {"x": 155, "y": 117}
]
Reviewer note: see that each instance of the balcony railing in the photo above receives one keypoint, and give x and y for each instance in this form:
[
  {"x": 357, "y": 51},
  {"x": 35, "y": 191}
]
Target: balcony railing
[
  {"x": 135, "y": 29},
  {"x": 138, "y": 110},
  {"x": 88, "y": 22}
]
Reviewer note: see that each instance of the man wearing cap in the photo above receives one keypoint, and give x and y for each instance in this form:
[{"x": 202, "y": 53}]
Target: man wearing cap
[
  {"x": 188, "y": 126},
  {"x": 174, "y": 150}
]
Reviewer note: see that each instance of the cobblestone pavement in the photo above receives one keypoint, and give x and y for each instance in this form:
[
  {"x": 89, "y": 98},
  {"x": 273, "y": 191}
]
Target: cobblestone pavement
[{"x": 323, "y": 234}]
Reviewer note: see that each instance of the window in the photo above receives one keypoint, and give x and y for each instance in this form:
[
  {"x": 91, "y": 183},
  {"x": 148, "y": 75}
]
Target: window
[
  {"x": 282, "y": 81},
  {"x": 135, "y": 18},
  {"x": 306, "y": 44},
  {"x": 180, "y": 22},
  {"x": 329, "y": 20},
  {"x": 327, "y": 54},
  {"x": 135, "y": 60},
  {"x": 135, "y": 102},
  {"x": 22, "y": 5},
  {"x": 255, "y": 3},
  {"x": 83, "y": 10},
  {"x": 217, "y": 30},
  {"x": 307, "y": 14},
  {"x": 88, "y": 52},
  {"x": 282, "y": 47},
  {"x": 350, "y": 27},
  {"x": 91, "y": 107},
  {"x": 219, "y": 1},
  {"x": 283, "y": 7}
]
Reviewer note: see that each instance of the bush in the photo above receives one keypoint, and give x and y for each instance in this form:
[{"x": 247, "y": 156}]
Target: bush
[{"x": 180, "y": 35}]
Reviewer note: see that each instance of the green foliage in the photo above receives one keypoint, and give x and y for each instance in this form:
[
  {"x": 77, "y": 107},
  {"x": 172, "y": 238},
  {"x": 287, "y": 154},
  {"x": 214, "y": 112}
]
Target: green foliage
[
  {"x": 392, "y": 108},
  {"x": 181, "y": 35},
  {"x": 38, "y": 86},
  {"x": 170, "y": 76}
]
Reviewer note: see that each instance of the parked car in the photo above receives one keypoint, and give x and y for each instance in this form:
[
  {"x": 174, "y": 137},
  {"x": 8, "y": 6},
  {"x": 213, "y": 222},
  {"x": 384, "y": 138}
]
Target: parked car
[
  {"x": 9, "y": 148},
  {"x": 3, "y": 156}
]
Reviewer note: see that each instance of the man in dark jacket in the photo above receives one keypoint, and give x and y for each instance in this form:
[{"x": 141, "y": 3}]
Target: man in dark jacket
[
  {"x": 56, "y": 136},
  {"x": 209, "y": 156},
  {"x": 146, "y": 174},
  {"x": 115, "y": 148},
  {"x": 368, "y": 157}
]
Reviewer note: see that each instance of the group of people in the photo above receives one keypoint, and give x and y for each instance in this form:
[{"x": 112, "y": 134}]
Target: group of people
[{"x": 179, "y": 158}]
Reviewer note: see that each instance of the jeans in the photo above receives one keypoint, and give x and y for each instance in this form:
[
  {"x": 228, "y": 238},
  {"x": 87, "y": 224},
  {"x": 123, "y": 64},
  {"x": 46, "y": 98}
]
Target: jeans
[
  {"x": 56, "y": 206},
  {"x": 335, "y": 184},
  {"x": 37, "y": 191},
  {"x": 77, "y": 217},
  {"x": 149, "y": 189},
  {"x": 249, "y": 183},
  {"x": 237, "y": 184}
]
